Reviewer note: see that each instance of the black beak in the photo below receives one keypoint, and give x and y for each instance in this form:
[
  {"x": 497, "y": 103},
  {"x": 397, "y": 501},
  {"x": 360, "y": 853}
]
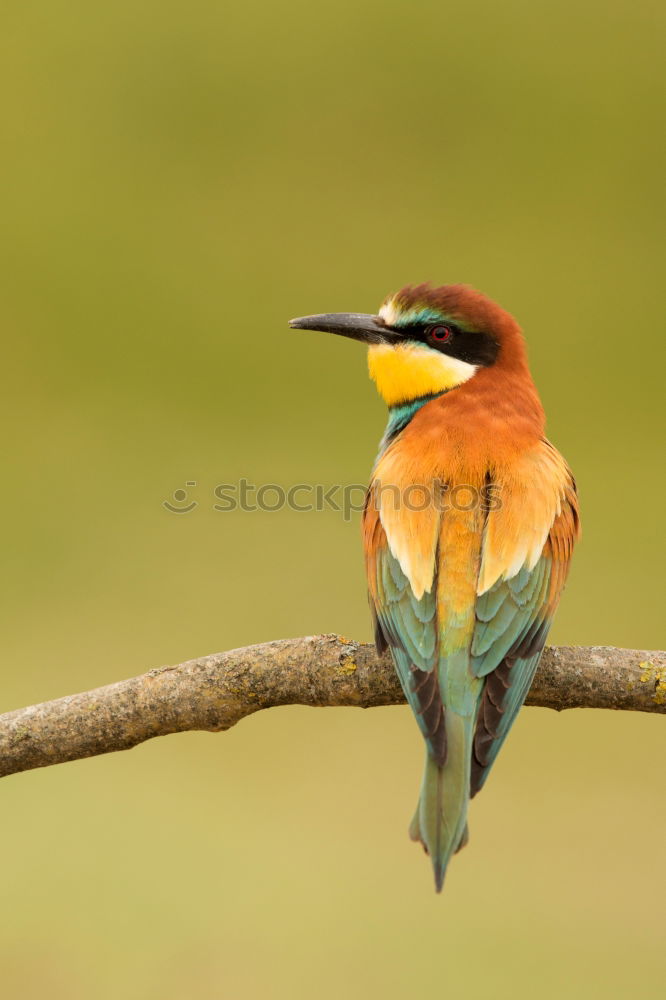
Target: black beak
[{"x": 357, "y": 326}]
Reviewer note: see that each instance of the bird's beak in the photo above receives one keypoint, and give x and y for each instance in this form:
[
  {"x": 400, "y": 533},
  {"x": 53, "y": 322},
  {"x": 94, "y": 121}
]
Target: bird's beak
[{"x": 357, "y": 326}]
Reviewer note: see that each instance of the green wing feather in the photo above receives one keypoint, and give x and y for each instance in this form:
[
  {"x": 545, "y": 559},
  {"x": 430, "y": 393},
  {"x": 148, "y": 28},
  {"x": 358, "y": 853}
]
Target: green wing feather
[
  {"x": 409, "y": 626},
  {"x": 513, "y": 618},
  {"x": 512, "y": 621}
]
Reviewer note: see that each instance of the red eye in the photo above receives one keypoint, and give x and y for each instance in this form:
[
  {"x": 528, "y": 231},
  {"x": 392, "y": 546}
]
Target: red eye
[{"x": 439, "y": 333}]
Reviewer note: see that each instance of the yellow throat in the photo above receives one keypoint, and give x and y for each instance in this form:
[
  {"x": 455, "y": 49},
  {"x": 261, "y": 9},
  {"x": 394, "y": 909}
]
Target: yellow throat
[{"x": 410, "y": 371}]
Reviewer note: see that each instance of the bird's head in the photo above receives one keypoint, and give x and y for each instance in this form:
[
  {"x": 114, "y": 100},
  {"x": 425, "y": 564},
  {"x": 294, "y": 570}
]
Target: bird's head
[{"x": 426, "y": 340}]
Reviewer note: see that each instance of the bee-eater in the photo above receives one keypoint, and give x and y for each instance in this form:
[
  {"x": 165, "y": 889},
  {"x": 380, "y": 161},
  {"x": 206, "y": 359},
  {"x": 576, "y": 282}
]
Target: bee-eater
[{"x": 469, "y": 525}]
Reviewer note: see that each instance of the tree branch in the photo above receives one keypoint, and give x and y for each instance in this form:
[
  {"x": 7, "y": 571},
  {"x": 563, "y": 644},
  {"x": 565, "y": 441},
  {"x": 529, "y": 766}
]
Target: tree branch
[{"x": 215, "y": 692}]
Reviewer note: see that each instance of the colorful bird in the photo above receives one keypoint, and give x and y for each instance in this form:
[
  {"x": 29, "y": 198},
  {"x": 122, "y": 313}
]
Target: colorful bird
[{"x": 469, "y": 525}]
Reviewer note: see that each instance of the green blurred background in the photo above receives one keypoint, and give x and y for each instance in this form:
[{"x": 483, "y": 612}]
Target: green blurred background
[{"x": 176, "y": 181}]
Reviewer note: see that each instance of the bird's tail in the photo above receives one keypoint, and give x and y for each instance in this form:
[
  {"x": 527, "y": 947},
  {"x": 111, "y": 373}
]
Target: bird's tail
[{"x": 440, "y": 821}]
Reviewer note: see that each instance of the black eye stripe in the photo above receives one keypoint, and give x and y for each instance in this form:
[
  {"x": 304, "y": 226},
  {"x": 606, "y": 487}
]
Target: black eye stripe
[
  {"x": 472, "y": 346},
  {"x": 419, "y": 331}
]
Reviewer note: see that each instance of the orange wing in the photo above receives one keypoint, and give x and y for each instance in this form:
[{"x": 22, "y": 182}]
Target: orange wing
[{"x": 515, "y": 607}]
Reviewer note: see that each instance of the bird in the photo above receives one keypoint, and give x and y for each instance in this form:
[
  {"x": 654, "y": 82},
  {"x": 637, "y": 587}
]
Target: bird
[{"x": 469, "y": 524}]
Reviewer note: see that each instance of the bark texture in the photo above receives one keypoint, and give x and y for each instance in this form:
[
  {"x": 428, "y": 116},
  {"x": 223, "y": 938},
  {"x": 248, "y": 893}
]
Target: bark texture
[{"x": 215, "y": 692}]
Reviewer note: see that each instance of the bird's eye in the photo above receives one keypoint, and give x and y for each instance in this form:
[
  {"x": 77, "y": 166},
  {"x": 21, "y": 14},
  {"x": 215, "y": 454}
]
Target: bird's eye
[{"x": 440, "y": 334}]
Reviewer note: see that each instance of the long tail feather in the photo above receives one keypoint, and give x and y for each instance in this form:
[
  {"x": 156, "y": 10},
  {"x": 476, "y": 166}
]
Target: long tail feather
[{"x": 440, "y": 821}]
